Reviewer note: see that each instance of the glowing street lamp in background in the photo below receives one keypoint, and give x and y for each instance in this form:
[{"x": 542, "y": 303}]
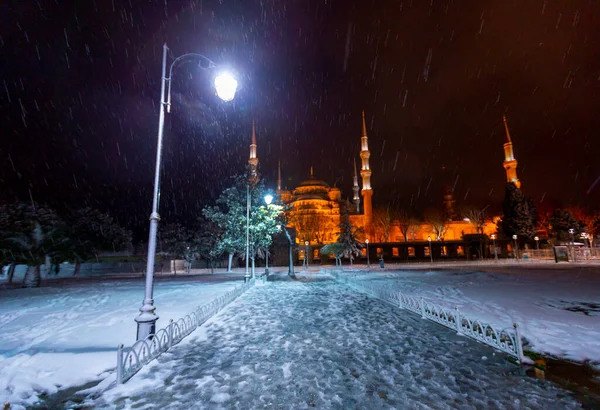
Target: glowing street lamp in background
[
  {"x": 494, "y": 245},
  {"x": 537, "y": 242},
  {"x": 516, "y": 250},
  {"x": 430, "y": 250},
  {"x": 225, "y": 86}
]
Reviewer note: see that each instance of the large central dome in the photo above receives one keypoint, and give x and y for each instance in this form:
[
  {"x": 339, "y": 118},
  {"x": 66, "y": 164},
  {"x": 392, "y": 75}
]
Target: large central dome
[{"x": 312, "y": 181}]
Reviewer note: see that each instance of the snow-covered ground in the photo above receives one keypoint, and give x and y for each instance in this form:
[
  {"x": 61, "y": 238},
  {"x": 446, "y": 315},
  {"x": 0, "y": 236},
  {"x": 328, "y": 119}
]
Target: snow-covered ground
[
  {"x": 556, "y": 306},
  {"x": 66, "y": 333},
  {"x": 315, "y": 343}
]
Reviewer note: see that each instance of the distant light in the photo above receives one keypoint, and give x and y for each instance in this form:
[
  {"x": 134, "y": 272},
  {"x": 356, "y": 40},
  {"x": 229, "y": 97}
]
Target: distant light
[
  {"x": 467, "y": 220},
  {"x": 226, "y": 86},
  {"x": 429, "y": 238},
  {"x": 515, "y": 237},
  {"x": 306, "y": 243},
  {"x": 367, "y": 241},
  {"x": 536, "y": 238},
  {"x": 493, "y": 236},
  {"x": 268, "y": 199}
]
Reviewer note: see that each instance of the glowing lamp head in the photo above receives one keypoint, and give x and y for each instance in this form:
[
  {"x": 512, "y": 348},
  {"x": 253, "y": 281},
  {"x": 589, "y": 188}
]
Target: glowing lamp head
[
  {"x": 429, "y": 238},
  {"x": 536, "y": 238},
  {"x": 515, "y": 237},
  {"x": 493, "y": 236},
  {"x": 268, "y": 199},
  {"x": 306, "y": 243},
  {"x": 367, "y": 241},
  {"x": 226, "y": 86}
]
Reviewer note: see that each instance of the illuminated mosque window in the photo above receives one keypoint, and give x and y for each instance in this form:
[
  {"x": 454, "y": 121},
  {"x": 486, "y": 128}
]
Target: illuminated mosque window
[
  {"x": 444, "y": 251},
  {"x": 460, "y": 251},
  {"x": 411, "y": 251},
  {"x": 427, "y": 251},
  {"x": 395, "y": 252}
]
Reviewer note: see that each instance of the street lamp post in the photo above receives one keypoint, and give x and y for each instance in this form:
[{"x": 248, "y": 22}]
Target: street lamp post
[
  {"x": 572, "y": 232},
  {"x": 225, "y": 86},
  {"x": 430, "y": 250},
  {"x": 368, "y": 262},
  {"x": 247, "y": 275},
  {"x": 268, "y": 200},
  {"x": 495, "y": 249},
  {"x": 306, "y": 243},
  {"x": 516, "y": 250},
  {"x": 537, "y": 242}
]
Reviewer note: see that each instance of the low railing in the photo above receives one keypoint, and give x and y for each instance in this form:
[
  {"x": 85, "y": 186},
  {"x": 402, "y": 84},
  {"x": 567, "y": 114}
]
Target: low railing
[
  {"x": 131, "y": 359},
  {"x": 505, "y": 340}
]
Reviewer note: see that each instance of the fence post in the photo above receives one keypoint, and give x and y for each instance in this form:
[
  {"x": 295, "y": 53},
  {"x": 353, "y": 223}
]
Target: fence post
[
  {"x": 120, "y": 364},
  {"x": 458, "y": 321},
  {"x": 170, "y": 332},
  {"x": 422, "y": 303},
  {"x": 519, "y": 343}
]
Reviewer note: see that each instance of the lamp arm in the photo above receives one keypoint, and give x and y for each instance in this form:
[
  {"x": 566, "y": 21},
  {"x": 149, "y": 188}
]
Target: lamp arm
[{"x": 211, "y": 64}]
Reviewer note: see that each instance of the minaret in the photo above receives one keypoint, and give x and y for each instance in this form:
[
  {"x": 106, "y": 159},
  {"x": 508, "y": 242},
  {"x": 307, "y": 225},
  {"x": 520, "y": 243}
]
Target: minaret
[
  {"x": 253, "y": 160},
  {"x": 365, "y": 173},
  {"x": 510, "y": 163},
  {"x": 356, "y": 188}
]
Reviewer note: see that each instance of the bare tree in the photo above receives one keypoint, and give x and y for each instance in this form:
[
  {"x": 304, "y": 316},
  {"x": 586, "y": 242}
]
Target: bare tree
[
  {"x": 437, "y": 221},
  {"x": 406, "y": 222},
  {"x": 476, "y": 216},
  {"x": 311, "y": 226},
  {"x": 382, "y": 218}
]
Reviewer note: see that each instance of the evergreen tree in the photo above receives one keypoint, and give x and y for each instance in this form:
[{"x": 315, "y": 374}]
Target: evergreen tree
[
  {"x": 520, "y": 216},
  {"x": 561, "y": 221},
  {"x": 348, "y": 235},
  {"x": 29, "y": 234}
]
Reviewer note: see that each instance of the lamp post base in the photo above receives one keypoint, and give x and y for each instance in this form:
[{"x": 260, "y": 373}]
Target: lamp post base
[
  {"x": 247, "y": 276},
  {"x": 146, "y": 325}
]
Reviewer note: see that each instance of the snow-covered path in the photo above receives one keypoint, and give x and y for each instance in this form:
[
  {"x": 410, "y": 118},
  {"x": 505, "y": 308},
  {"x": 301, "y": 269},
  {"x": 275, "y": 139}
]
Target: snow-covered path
[{"x": 314, "y": 343}]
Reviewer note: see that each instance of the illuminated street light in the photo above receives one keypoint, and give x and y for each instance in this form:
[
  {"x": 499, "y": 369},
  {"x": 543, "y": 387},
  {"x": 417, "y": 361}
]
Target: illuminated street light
[
  {"x": 572, "y": 232},
  {"x": 516, "y": 250},
  {"x": 225, "y": 86},
  {"x": 494, "y": 245},
  {"x": 306, "y": 243},
  {"x": 430, "y": 250},
  {"x": 537, "y": 242}
]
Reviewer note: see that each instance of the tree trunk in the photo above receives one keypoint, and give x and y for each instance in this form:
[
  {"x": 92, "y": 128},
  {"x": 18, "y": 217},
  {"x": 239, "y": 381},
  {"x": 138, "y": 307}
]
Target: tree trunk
[
  {"x": 33, "y": 277},
  {"x": 77, "y": 268},
  {"x": 212, "y": 267},
  {"x": 229, "y": 261},
  {"x": 11, "y": 272},
  {"x": 289, "y": 238}
]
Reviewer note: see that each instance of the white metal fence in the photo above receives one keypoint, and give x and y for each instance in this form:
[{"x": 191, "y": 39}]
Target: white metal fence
[
  {"x": 506, "y": 340},
  {"x": 131, "y": 359}
]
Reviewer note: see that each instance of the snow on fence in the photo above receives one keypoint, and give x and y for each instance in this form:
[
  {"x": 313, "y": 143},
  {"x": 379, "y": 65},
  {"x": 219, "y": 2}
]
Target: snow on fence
[
  {"x": 131, "y": 359},
  {"x": 505, "y": 340}
]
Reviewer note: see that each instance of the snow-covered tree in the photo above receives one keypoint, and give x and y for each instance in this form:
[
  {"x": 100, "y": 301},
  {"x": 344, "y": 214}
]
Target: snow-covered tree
[
  {"x": 336, "y": 249},
  {"x": 229, "y": 214},
  {"x": 438, "y": 222},
  {"x": 29, "y": 234},
  {"x": 90, "y": 231},
  {"x": 178, "y": 241},
  {"x": 348, "y": 235}
]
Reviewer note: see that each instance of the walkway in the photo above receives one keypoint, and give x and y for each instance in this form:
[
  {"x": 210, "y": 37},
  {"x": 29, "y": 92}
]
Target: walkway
[{"x": 313, "y": 343}]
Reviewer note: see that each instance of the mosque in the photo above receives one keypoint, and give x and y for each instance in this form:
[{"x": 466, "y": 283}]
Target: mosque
[{"x": 313, "y": 209}]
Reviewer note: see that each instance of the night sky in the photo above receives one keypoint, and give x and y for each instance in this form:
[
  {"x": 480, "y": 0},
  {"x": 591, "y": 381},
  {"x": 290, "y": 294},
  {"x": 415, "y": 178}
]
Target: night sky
[{"x": 80, "y": 91}]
